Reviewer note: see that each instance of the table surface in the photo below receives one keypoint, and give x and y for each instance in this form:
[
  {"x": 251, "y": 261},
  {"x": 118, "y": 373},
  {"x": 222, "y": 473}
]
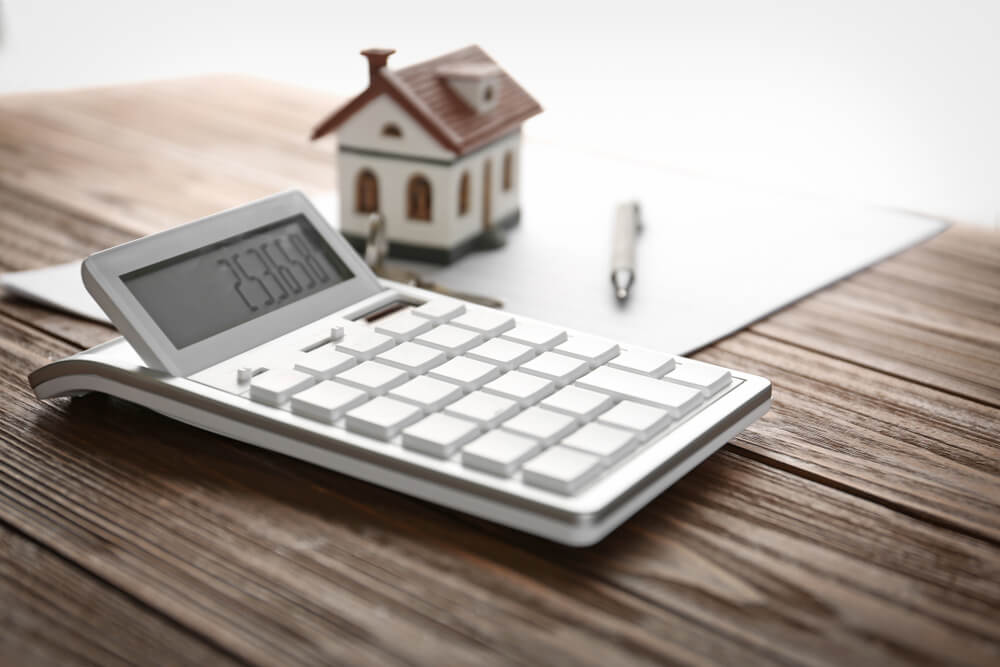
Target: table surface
[{"x": 858, "y": 522}]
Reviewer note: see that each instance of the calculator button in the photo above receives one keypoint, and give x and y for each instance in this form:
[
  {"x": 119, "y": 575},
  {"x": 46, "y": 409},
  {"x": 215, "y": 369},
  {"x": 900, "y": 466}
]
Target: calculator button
[
  {"x": 557, "y": 367},
  {"x": 607, "y": 442},
  {"x": 324, "y": 362},
  {"x": 499, "y": 452},
  {"x": 382, "y": 418},
  {"x": 538, "y": 336},
  {"x": 373, "y": 377},
  {"x": 706, "y": 377},
  {"x": 592, "y": 350},
  {"x": 643, "y": 419},
  {"x": 450, "y": 340},
  {"x": 521, "y": 387},
  {"x": 439, "y": 435},
  {"x": 327, "y": 401},
  {"x": 412, "y": 358},
  {"x": 647, "y": 363},
  {"x": 582, "y": 404},
  {"x": 403, "y": 326},
  {"x": 439, "y": 310},
  {"x": 364, "y": 344},
  {"x": 485, "y": 320},
  {"x": 541, "y": 424},
  {"x": 467, "y": 373},
  {"x": 428, "y": 393},
  {"x": 504, "y": 353},
  {"x": 562, "y": 470},
  {"x": 487, "y": 410},
  {"x": 276, "y": 386},
  {"x": 677, "y": 399}
]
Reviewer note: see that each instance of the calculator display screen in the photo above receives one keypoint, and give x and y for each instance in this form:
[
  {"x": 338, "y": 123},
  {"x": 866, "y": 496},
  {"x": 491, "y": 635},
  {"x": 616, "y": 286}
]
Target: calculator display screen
[{"x": 206, "y": 291}]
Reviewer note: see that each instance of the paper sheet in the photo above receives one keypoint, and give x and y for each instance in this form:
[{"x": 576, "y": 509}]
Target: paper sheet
[{"x": 711, "y": 258}]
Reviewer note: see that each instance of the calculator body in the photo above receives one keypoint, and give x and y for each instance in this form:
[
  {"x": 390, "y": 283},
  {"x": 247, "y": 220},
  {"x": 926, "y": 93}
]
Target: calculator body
[{"x": 208, "y": 389}]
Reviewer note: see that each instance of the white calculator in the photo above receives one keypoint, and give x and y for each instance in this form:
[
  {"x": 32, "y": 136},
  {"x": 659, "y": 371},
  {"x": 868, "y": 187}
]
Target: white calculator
[{"x": 262, "y": 324}]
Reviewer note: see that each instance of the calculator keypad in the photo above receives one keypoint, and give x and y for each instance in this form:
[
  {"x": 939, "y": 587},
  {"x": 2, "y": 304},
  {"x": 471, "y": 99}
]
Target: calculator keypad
[{"x": 496, "y": 394}]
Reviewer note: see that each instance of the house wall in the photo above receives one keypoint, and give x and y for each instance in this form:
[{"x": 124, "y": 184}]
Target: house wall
[
  {"x": 364, "y": 130},
  {"x": 446, "y": 228}
]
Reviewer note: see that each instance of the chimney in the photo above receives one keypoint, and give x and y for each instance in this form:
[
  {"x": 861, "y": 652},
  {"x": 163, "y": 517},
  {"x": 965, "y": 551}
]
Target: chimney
[{"x": 377, "y": 58}]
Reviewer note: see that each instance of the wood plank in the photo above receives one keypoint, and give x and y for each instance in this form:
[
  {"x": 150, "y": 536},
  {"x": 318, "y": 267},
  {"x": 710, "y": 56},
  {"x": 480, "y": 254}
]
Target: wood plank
[
  {"x": 199, "y": 527},
  {"x": 53, "y": 613},
  {"x": 852, "y": 326},
  {"x": 922, "y": 450}
]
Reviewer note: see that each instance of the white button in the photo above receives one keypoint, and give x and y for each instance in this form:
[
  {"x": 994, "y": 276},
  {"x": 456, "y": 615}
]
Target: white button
[
  {"x": 364, "y": 343},
  {"x": 643, "y": 419},
  {"x": 678, "y": 400},
  {"x": 327, "y": 401},
  {"x": 486, "y": 320},
  {"x": 557, "y": 367},
  {"x": 428, "y": 393},
  {"x": 277, "y": 385},
  {"x": 373, "y": 377},
  {"x": 504, "y": 353},
  {"x": 521, "y": 387},
  {"x": 449, "y": 339},
  {"x": 499, "y": 452},
  {"x": 541, "y": 424},
  {"x": 403, "y": 326},
  {"x": 706, "y": 377},
  {"x": 647, "y": 363},
  {"x": 608, "y": 442},
  {"x": 562, "y": 470},
  {"x": 440, "y": 310},
  {"x": 412, "y": 358},
  {"x": 381, "y": 418},
  {"x": 592, "y": 350},
  {"x": 487, "y": 410},
  {"x": 325, "y": 362},
  {"x": 244, "y": 373},
  {"x": 336, "y": 332},
  {"x": 467, "y": 373},
  {"x": 538, "y": 336},
  {"x": 580, "y": 403},
  {"x": 439, "y": 435}
]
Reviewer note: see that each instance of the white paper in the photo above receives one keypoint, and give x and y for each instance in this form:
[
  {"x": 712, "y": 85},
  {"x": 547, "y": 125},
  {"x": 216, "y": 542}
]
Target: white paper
[{"x": 711, "y": 258}]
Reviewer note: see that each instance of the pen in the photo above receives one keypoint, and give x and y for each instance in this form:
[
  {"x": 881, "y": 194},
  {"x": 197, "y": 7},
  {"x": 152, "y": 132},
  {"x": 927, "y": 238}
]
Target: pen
[{"x": 627, "y": 225}]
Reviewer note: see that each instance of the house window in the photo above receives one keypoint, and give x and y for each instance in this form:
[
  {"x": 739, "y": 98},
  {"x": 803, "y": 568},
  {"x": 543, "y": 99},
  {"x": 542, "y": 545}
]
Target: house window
[
  {"x": 366, "y": 192},
  {"x": 391, "y": 130},
  {"x": 508, "y": 170},
  {"x": 463, "y": 194},
  {"x": 418, "y": 199}
]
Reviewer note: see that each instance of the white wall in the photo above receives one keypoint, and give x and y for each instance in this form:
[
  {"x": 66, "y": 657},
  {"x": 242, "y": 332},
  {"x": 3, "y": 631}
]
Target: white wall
[{"x": 893, "y": 101}]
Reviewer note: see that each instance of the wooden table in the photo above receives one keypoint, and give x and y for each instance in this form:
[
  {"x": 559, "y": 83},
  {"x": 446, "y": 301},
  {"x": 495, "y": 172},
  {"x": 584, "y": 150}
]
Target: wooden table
[{"x": 857, "y": 523}]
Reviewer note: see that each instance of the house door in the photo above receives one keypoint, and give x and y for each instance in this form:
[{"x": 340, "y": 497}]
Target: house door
[{"x": 487, "y": 192}]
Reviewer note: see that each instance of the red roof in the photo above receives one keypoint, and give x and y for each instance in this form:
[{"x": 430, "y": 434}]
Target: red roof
[{"x": 423, "y": 92}]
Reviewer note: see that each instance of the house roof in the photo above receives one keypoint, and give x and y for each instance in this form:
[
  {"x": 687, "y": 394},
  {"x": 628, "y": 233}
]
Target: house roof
[{"x": 423, "y": 92}]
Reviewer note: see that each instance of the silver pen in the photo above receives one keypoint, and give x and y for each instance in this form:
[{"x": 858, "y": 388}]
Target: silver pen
[{"x": 627, "y": 226}]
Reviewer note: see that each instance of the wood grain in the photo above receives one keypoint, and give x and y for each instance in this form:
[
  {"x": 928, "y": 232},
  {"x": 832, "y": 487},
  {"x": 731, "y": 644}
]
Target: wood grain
[
  {"x": 856, "y": 523},
  {"x": 53, "y": 613}
]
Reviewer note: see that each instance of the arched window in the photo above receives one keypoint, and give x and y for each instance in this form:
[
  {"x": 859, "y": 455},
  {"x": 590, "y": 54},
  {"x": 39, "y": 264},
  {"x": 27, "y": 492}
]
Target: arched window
[
  {"x": 463, "y": 194},
  {"x": 488, "y": 93},
  {"x": 391, "y": 130},
  {"x": 418, "y": 198},
  {"x": 366, "y": 192},
  {"x": 508, "y": 170}
]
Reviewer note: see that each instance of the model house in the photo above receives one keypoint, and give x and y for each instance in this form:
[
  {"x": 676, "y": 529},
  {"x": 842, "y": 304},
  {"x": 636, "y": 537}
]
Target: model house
[{"x": 435, "y": 148}]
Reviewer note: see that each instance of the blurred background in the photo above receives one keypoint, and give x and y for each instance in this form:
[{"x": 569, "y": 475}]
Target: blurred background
[{"x": 893, "y": 103}]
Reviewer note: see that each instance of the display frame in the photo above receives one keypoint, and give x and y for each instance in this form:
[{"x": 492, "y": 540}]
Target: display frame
[{"x": 103, "y": 272}]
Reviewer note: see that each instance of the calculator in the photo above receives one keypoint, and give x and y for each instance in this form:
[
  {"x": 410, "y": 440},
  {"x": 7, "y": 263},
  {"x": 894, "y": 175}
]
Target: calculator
[{"x": 262, "y": 324}]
